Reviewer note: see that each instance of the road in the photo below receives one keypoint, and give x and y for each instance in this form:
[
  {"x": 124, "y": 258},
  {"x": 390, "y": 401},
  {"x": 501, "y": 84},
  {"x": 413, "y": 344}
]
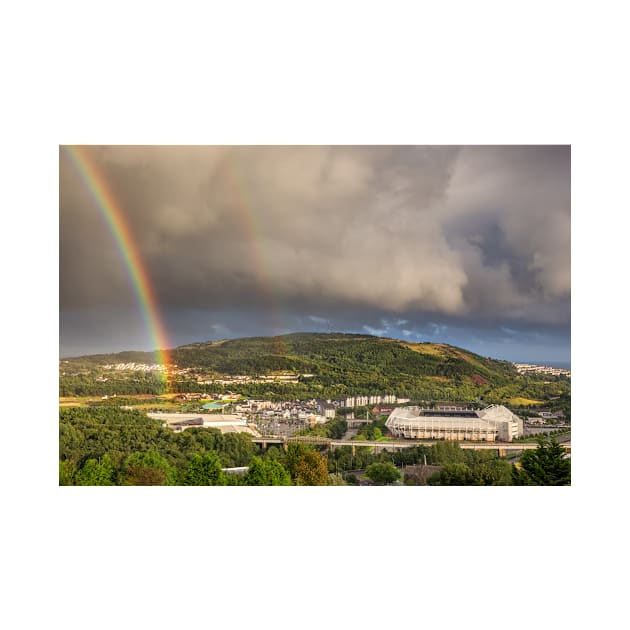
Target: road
[{"x": 396, "y": 444}]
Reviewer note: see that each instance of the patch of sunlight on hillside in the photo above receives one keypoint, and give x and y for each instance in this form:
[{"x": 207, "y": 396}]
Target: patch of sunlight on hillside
[
  {"x": 435, "y": 349},
  {"x": 524, "y": 402}
]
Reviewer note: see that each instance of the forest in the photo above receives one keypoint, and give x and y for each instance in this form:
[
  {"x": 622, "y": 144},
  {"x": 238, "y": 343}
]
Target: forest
[{"x": 112, "y": 446}]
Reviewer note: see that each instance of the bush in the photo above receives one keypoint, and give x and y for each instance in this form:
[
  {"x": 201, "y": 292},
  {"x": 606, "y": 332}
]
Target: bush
[{"x": 382, "y": 473}]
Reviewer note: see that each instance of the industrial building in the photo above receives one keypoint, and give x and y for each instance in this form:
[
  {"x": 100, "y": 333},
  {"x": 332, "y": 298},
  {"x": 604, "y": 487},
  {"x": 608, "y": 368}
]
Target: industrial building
[
  {"x": 490, "y": 424},
  {"x": 226, "y": 423}
]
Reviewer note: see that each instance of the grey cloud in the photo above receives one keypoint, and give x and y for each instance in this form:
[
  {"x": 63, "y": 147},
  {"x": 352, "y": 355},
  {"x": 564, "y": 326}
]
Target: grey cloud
[
  {"x": 476, "y": 233},
  {"x": 521, "y": 196}
]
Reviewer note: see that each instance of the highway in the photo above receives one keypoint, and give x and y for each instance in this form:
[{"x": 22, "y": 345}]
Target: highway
[{"x": 396, "y": 444}]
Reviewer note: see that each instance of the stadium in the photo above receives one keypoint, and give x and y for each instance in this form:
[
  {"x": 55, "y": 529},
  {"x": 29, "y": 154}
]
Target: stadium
[{"x": 494, "y": 423}]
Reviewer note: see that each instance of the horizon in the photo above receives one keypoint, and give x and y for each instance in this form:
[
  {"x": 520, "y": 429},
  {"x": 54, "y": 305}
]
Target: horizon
[{"x": 566, "y": 364}]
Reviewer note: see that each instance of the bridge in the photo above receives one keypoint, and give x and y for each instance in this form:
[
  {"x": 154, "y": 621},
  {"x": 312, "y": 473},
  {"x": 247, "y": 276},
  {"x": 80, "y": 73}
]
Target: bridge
[{"x": 393, "y": 445}]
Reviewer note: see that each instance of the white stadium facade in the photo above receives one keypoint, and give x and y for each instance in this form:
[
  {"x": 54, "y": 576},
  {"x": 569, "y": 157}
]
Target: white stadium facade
[{"x": 494, "y": 423}]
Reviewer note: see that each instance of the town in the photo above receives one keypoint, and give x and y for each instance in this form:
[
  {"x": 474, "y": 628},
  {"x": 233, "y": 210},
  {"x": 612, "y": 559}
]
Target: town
[
  {"x": 527, "y": 368},
  {"x": 442, "y": 420}
]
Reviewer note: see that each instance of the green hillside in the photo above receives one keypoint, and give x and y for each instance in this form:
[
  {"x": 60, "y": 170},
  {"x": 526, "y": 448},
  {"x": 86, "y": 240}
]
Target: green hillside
[
  {"x": 335, "y": 365},
  {"x": 335, "y": 355}
]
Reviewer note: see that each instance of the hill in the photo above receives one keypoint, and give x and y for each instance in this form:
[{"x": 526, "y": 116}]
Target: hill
[
  {"x": 335, "y": 354},
  {"x": 325, "y": 365}
]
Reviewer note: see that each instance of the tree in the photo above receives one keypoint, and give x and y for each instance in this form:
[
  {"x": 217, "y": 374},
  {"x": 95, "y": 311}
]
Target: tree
[
  {"x": 136, "y": 475},
  {"x": 487, "y": 469},
  {"x": 148, "y": 468},
  {"x": 292, "y": 456},
  {"x": 267, "y": 472},
  {"x": 456, "y": 474},
  {"x": 546, "y": 466},
  {"x": 66, "y": 472},
  {"x": 382, "y": 473},
  {"x": 336, "y": 479},
  {"x": 306, "y": 466},
  {"x": 235, "y": 449},
  {"x": 95, "y": 473},
  {"x": 443, "y": 452},
  {"x": 204, "y": 470},
  {"x": 496, "y": 472}
]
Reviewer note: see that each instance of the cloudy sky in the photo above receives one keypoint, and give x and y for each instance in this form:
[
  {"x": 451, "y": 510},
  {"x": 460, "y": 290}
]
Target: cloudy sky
[{"x": 464, "y": 245}]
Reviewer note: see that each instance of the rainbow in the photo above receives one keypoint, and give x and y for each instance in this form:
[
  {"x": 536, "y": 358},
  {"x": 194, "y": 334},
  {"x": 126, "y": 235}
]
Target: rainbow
[
  {"x": 251, "y": 229},
  {"x": 114, "y": 216}
]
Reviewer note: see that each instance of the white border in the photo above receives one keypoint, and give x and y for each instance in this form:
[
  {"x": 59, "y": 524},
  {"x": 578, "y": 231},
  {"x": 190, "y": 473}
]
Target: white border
[{"x": 279, "y": 72}]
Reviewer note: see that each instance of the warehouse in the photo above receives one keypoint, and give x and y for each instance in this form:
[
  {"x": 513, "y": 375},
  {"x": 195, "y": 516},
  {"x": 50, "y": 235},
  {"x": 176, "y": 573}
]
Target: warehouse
[
  {"x": 226, "y": 423},
  {"x": 492, "y": 423}
]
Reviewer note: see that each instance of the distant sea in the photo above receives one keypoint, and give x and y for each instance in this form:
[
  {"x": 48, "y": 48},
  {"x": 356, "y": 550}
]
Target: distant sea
[{"x": 565, "y": 365}]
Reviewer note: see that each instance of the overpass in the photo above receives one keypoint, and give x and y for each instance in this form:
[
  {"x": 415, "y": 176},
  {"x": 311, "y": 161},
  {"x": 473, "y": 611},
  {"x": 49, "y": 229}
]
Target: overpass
[{"x": 392, "y": 445}]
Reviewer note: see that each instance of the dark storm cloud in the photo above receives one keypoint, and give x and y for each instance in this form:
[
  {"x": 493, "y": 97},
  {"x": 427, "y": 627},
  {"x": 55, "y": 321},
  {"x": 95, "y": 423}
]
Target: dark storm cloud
[{"x": 479, "y": 235}]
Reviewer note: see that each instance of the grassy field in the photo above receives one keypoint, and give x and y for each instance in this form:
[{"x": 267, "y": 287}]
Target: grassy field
[
  {"x": 157, "y": 403},
  {"x": 141, "y": 401},
  {"x": 425, "y": 348},
  {"x": 524, "y": 402},
  {"x": 76, "y": 401},
  {"x": 70, "y": 403}
]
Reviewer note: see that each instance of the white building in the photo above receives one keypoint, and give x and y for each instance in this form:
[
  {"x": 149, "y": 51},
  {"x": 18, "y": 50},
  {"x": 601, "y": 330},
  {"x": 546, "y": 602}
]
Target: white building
[
  {"x": 492, "y": 423},
  {"x": 226, "y": 423}
]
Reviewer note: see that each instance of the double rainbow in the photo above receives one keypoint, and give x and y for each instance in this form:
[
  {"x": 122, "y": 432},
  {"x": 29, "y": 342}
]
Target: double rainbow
[
  {"x": 114, "y": 216},
  {"x": 250, "y": 226}
]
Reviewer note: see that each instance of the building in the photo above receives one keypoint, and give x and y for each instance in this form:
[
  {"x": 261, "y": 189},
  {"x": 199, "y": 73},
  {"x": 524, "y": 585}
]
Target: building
[
  {"x": 382, "y": 410},
  {"x": 226, "y": 423},
  {"x": 450, "y": 406},
  {"x": 528, "y": 368},
  {"x": 372, "y": 399},
  {"x": 326, "y": 408},
  {"x": 535, "y": 420},
  {"x": 543, "y": 413},
  {"x": 492, "y": 423}
]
